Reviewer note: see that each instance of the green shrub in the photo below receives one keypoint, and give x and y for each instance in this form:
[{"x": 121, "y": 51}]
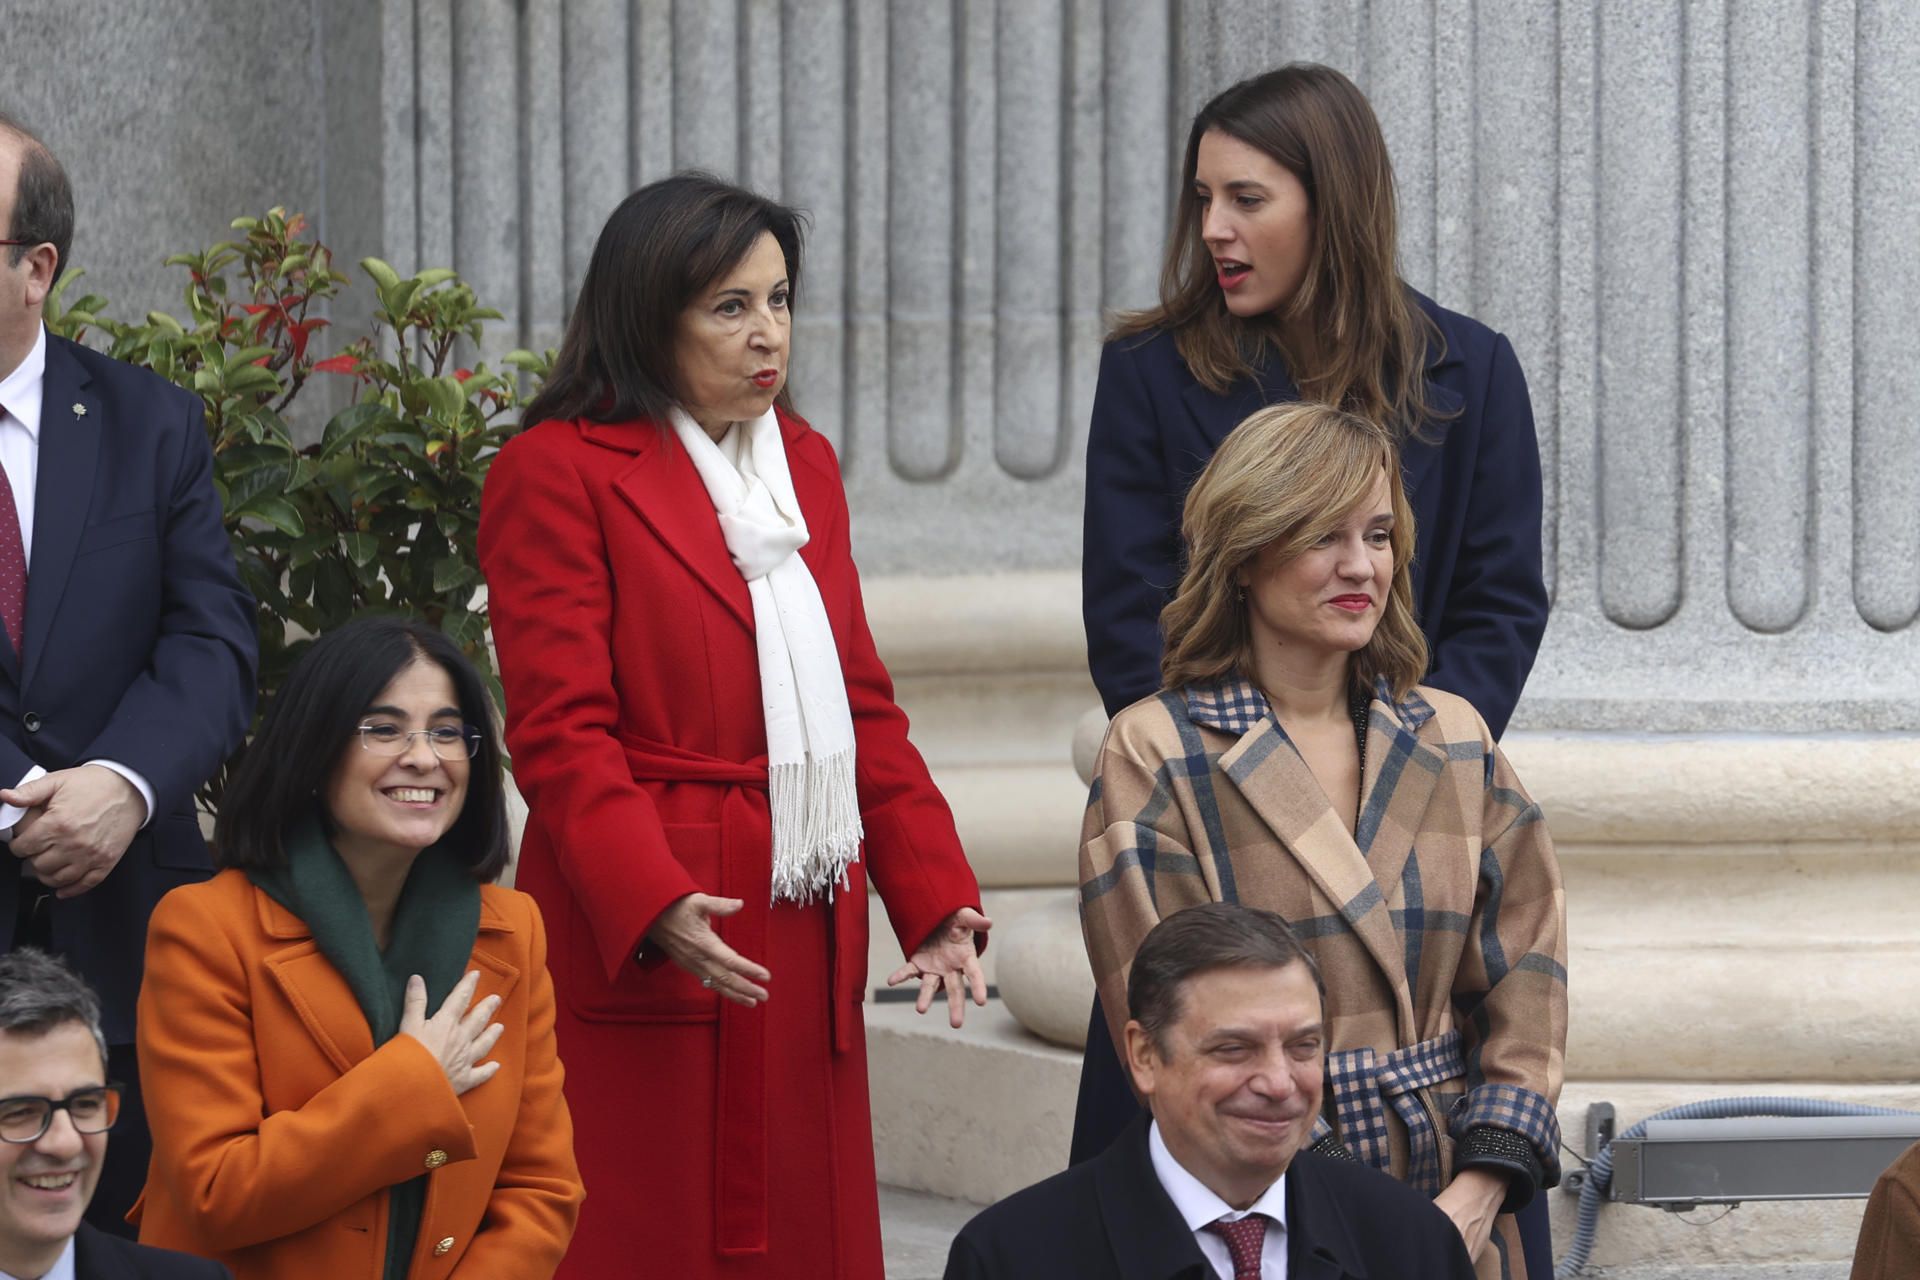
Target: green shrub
[{"x": 379, "y": 514}]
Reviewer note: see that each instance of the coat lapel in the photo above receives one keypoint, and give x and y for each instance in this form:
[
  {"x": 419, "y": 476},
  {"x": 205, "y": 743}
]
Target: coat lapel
[
  {"x": 1403, "y": 767},
  {"x": 665, "y": 491},
  {"x": 1319, "y": 1246},
  {"x": 1149, "y": 1238},
  {"x": 814, "y": 488},
  {"x": 1218, "y": 414},
  {"x": 1276, "y": 783},
  {"x": 69, "y": 456},
  {"x": 326, "y": 1004}
]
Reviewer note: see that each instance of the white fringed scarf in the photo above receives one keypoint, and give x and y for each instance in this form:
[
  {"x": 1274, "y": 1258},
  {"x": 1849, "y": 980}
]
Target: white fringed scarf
[{"x": 816, "y": 814}]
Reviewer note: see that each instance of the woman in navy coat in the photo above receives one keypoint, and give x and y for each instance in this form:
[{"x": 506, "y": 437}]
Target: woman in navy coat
[{"x": 1281, "y": 283}]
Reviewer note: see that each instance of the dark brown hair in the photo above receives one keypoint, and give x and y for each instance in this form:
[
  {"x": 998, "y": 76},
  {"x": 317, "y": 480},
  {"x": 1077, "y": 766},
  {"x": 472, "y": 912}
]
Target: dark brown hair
[
  {"x": 662, "y": 247},
  {"x": 1213, "y": 935},
  {"x": 42, "y": 199},
  {"x": 314, "y": 718},
  {"x": 1288, "y": 474},
  {"x": 1361, "y": 341}
]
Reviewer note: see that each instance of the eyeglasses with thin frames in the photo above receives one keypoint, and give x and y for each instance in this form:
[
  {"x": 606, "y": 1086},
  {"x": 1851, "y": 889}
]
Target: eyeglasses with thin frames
[
  {"x": 26, "y": 1120},
  {"x": 449, "y": 742}
]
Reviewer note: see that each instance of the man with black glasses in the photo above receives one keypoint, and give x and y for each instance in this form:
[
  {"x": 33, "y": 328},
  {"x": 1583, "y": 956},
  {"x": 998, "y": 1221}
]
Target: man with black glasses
[{"x": 56, "y": 1105}]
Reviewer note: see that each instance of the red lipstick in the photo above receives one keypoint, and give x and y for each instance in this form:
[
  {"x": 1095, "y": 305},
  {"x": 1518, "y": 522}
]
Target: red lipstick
[
  {"x": 1353, "y": 603},
  {"x": 766, "y": 378}
]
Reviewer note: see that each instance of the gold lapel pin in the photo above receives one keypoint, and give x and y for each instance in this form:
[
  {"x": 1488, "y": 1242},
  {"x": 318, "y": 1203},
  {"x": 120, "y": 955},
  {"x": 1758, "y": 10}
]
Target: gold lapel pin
[{"x": 79, "y": 410}]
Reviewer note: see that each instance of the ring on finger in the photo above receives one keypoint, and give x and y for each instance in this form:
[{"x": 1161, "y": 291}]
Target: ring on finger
[{"x": 707, "y": 983}]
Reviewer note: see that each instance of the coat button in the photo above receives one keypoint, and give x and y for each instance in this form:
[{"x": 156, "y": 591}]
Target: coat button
[
  {"x": 30, "y": 722},
  {"x": 436, "y": 1158},
  {"x": 444, "y": 1248}
]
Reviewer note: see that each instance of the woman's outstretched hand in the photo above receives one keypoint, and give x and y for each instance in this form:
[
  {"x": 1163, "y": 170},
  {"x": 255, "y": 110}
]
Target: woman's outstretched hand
[
  {"x": 459, "y": 1038},
  {"x": 1473, "y": 1201},
  {"x": 685, "y": 932},
  {"x": 948, "y": 958}
]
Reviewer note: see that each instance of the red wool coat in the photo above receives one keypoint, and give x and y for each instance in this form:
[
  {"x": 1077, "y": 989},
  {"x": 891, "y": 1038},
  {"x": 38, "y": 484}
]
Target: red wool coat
[{"x": 626, "y": 648}]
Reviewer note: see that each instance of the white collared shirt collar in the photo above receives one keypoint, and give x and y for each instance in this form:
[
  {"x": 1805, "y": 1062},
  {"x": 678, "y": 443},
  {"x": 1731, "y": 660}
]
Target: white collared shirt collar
[
  {"x": 23, "y": 389},
  {"x": 1198, "y": 1205},
  {"x": 62, "y": 1269}
]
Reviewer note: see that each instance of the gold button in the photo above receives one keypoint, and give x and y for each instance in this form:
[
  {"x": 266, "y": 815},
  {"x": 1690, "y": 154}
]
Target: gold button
[
  {"x": 444, "y": 1248},
  {"x": 436, "y": 1158}
]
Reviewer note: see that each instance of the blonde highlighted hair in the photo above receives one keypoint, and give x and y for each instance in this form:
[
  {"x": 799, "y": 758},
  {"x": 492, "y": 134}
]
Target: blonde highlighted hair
[{"x": 1288, "y": 475}]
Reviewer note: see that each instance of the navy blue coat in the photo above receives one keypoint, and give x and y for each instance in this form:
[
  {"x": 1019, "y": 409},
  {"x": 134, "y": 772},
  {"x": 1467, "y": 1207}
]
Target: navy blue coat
[
  {"x": 1110, "y": 1219},
  {"x": 1474, "y": 483},
  {"x": 139, "y": 643}
]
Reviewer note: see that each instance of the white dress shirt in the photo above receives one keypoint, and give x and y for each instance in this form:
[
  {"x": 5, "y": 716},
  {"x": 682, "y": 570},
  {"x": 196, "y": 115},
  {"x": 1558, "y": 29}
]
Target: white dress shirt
[
  {"x": 1198, "y": 1206},
  {"x": 62, "y": 1270},
  {"x": 21, "y": 393}
]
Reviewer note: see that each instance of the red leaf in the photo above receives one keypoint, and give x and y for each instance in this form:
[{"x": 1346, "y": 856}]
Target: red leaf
[
  {"x": 255, "y": 308},
  {"x": 262, "y": 361},
  {"x": 344, "y": 363},
  {"x": 462, "y": 375}
]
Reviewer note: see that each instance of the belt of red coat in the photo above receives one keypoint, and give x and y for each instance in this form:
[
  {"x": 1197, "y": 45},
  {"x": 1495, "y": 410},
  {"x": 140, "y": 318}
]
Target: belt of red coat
[{"x": 746, "y": 872}]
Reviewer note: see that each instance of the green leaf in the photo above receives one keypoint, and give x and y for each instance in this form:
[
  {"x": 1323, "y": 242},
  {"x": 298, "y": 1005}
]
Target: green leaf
[
  {"x": 279, "y": 513},
  {"x": 250, "y": 380},
  {"x": 434, "y": 275},
  {"x": 398, "y": 298},
  {"x": 247, "y": 355},
  {"x": 451, "y": 572},
  {"x": 449, "y": 523},
  {"x": 361, "y": 547},
  {"x": 353, "y": 423},
  {"x": 384, "y": 276},
  {"x": 256, "y": 482}
]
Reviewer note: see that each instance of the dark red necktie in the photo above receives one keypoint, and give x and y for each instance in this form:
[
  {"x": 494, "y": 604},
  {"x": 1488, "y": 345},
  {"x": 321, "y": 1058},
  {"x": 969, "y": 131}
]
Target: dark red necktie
[
  {"x": 1245, "y": 1238},
  {"x": 13, "y": 566}
]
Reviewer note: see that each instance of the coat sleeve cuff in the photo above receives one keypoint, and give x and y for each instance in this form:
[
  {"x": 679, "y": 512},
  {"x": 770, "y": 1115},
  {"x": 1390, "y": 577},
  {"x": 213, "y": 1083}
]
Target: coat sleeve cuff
[
  {"x": 1504, "y": 1152},
  {"x": 1514, "y": 1110}
]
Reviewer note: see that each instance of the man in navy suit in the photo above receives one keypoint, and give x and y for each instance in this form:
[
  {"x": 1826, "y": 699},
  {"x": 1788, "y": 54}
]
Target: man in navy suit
[
  {"x": 1227, "y": 1045},
  {"x": 57, "y": 1103},
  {"x": 127, "y": 645}
]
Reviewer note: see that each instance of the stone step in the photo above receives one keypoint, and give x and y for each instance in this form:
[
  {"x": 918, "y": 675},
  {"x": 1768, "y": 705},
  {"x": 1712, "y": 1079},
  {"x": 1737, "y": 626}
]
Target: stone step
[{"x": 918, "y": 1228}]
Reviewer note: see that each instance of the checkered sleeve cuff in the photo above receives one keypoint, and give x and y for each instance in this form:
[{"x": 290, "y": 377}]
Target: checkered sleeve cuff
[{"x": 1508, "y": 1109}]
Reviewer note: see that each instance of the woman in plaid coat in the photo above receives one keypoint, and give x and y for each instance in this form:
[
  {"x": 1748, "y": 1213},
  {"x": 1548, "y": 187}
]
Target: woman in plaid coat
[{"x": 1293, "y": 762}]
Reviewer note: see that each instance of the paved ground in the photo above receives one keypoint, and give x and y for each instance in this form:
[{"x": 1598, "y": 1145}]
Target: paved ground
[{"x": 918, "y": 1228}]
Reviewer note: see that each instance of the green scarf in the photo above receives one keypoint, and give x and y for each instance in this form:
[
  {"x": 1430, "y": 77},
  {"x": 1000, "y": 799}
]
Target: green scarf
[{"x": 434, "y": 927}]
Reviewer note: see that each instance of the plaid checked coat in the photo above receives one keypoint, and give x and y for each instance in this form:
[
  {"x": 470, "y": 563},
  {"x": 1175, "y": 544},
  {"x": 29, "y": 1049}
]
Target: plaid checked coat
[{"x": 1439, "y": 925}]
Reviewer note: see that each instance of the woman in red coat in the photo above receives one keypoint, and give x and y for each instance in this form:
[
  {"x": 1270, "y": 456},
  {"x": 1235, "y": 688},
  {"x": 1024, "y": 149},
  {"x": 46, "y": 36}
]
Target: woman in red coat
[{"x": 713, "y": 760}]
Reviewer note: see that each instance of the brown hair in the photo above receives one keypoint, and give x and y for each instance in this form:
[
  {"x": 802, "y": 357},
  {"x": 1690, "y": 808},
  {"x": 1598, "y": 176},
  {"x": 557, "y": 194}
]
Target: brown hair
[
  {"x": 1202, "y": 939},
  {"x": 42, "y": 199},
  {"x": 661, "y": 248},
  {"x": 1288, "y": 475},
  {"x": 1363, "y": 339}
]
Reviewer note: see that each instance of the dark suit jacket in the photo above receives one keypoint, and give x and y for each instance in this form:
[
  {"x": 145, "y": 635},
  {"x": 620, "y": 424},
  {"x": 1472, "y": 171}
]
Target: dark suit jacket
[
  {"x": 1110, "y": 1219},
  {"x": 99, "y": 1256},
  {"x": 1475, "y": 490},
  {"x": 139, "y": 642}
]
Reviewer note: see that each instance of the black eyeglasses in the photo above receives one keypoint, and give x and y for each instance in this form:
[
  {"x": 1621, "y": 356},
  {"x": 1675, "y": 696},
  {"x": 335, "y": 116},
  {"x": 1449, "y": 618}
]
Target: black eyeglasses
[
  {"x": 25, "y": 1120},
  {"x": 449, "y": 742}
]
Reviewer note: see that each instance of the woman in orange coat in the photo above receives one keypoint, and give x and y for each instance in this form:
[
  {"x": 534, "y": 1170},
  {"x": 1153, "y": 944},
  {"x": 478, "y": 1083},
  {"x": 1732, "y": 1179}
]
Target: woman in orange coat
[
  {"x": 309, "y": 1118},
  {"x": 712, "y": 758}
]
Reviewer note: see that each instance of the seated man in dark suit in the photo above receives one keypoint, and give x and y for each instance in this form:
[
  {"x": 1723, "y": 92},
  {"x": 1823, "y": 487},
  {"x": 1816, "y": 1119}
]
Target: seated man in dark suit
[
  {"x": 56, "y": 1105},
  {"x": 1225, "y": 1043}
]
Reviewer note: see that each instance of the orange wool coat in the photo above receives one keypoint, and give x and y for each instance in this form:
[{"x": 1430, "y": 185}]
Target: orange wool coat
[{"x": 278, "y": 1127}]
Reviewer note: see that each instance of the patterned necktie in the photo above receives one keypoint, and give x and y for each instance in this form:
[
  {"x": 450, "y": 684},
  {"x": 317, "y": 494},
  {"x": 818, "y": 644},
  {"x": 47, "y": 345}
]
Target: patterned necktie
[
  {"x": 1245, "y": 1237},
  {"x": 13, "y": 566}
]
